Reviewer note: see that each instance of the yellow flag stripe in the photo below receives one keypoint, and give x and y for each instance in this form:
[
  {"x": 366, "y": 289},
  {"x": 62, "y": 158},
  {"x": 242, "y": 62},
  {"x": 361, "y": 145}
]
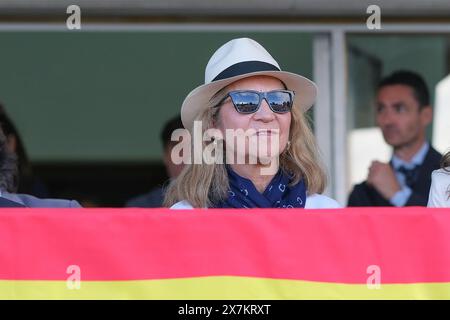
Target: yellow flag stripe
[{"x": 220, "y": 287}]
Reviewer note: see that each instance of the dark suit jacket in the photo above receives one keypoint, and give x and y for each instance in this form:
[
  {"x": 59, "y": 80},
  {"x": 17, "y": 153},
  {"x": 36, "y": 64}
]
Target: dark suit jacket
[
  {"x": 364, "y": 195},
  {"x": 5, "y": 203},
  {"x": 25, "y": 200},
  {"x": 153, "y": 199}
]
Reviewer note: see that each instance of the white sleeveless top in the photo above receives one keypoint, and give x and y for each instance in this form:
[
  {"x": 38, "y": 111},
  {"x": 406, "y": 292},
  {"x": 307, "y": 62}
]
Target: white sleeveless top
[
  {"x": 315, "y": 201},
  {"x": 440, "y": 185}
]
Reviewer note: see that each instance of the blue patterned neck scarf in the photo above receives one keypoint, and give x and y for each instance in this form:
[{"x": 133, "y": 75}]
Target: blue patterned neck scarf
[{"x": 278, "y": 194}]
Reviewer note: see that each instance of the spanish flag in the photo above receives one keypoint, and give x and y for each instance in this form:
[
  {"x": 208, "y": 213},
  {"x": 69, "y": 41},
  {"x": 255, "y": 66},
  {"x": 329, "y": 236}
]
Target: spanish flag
[{"x": 353, "y": 253}]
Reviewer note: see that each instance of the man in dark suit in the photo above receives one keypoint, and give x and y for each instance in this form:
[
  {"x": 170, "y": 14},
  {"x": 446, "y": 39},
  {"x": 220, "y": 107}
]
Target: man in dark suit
[
  {"x": 8, "y": 185},
  {"x": 155, "y": 197},
  {"x": 403, "y": 112}
]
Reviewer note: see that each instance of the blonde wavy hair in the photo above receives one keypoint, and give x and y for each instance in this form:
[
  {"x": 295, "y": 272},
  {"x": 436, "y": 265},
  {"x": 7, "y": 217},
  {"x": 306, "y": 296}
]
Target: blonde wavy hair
[{"x": 202, "y": 185}]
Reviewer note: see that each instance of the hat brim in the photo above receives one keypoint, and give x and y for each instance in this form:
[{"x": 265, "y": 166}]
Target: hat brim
[{"x": 198, "y": 99}]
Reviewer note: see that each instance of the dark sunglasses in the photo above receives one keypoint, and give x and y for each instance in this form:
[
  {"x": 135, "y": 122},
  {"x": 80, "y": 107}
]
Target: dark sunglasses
[{"x": 249, "y": 101}]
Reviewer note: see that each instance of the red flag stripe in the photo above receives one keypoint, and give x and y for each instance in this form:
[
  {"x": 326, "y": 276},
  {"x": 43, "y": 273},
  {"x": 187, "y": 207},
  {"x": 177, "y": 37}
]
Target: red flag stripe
[{"x": 409, "y": 245}]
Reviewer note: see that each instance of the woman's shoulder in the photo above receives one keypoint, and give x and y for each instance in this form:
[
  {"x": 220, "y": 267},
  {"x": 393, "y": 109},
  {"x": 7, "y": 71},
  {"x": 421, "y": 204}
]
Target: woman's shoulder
[
  {"x": 440, "y": 184},
  {"x": 182, "y": 205},
  {"x": 319, "y": 201},
  {"x": 441, "y": 176},
  {"x": 441, "y": 173}
]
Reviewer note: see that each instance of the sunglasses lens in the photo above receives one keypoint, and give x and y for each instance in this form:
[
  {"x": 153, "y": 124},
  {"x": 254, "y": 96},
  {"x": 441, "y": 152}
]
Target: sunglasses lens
[
  {"x": 245, "y": 102},
  {"x": 248, "y": 101},
  {"x": 280, "y": 101}
]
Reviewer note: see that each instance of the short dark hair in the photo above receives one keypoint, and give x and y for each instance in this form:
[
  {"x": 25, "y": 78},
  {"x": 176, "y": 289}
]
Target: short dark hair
[
  {"x": 8, "y": 166},
  {"x": 170, "y": 126},
  {"x": 412, "y": 80}
]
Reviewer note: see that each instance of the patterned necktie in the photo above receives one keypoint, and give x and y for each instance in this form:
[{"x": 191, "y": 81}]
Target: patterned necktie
[{"x": 410, "y": 174}]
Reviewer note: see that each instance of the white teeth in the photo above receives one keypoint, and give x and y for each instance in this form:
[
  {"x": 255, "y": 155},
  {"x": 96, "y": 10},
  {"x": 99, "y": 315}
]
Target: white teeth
[{"x": 266, "y": 132}]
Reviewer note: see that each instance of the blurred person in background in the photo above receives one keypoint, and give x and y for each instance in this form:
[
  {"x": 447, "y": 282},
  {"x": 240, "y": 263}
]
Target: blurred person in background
[
  {"x": 27, "y": 182},
  {"x": 440, "y": 185},
  {"x": 403, "y": 112},
  {"x": 9, "y": 180},
  {"x": 155, "y": 198}
]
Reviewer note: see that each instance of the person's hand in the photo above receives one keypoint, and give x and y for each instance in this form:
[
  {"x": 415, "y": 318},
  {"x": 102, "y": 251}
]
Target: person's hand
[{"x": 382, "y": 178}]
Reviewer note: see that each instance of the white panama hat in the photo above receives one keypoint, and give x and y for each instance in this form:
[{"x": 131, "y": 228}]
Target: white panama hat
[{"x": 238, "y": 59}]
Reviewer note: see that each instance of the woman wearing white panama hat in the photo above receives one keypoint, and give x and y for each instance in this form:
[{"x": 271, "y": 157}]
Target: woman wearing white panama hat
[{"x": 245, "y": 89}]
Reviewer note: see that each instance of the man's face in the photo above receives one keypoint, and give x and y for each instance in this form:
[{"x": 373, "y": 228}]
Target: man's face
[{"x": 399, "y": 117}]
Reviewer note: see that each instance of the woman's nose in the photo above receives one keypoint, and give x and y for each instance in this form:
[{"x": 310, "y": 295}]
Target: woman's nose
[{"x": 264, "y": 112}]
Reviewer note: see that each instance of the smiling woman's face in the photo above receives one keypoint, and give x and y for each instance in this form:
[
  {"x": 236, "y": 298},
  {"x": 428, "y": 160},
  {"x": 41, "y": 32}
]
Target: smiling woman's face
[{"x": 270, "y": 128}]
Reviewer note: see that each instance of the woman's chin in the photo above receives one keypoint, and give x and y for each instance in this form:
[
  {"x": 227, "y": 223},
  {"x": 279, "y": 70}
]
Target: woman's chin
[{"x": 265, "y": 159}]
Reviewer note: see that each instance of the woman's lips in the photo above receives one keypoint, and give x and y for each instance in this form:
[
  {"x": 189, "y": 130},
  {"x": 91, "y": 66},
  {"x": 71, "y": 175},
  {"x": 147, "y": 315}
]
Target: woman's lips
[{"x": 266, "y": 132}]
